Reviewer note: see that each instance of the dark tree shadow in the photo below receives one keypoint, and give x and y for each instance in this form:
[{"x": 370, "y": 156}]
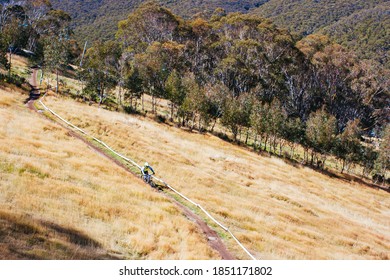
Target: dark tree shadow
[{"x": 22, "y": 237}]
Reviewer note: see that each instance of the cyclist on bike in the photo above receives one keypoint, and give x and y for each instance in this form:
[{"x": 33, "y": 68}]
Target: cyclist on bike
[{"x": 145, "y": 172}]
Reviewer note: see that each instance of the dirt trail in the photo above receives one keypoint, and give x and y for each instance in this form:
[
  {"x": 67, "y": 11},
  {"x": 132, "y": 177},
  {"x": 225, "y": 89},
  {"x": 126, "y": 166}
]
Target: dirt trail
[
  {"x": 34, "y": 91},
  {"x": 213, "y": 239}
]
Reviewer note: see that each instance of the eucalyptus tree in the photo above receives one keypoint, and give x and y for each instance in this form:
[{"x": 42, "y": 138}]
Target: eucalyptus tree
[
  {"x": 100, "y": 69},
  {"x": 175, "y": 91},
  {"x": 56, "y": 37},
  {"x": 347, "y": 145},
  {"x": 382, "y": 162},
  {"x": 321, "y": 129},
  {"x": 149, "y": 23},
  {"x": 14, "y": 32},
  {"x": 155, "y": 66}
]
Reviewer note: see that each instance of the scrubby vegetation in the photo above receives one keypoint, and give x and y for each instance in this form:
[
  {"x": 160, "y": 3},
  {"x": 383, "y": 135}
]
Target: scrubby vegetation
[
  {"x": 98, "y": 19},
  {"x": 365, "y": 32},
  {"x": 253, "y": 78},
  {"x": 241, "y": 71},
  {"x": 359, "y": 25}
]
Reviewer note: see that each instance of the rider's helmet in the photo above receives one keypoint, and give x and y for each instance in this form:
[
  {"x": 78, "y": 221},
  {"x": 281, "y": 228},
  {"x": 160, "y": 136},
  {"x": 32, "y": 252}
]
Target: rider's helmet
[{"x": 146, "y": 164}]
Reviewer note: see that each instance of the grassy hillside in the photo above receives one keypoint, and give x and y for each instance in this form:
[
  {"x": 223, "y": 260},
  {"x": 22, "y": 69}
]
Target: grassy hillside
[
  {"x": 99, "y": 19},
  {"x": 278, "y": 211},
  {"x": 62, "y": 200}
]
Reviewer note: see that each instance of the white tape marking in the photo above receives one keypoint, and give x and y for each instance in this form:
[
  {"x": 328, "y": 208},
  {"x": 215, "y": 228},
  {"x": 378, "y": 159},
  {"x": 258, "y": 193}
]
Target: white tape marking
[{"x": 139, "y": 167}]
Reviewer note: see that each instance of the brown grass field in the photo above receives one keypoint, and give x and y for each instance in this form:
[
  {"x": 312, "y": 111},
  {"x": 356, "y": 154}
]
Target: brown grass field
[
  {"x": 60, "y": 199},
  {"x": 278, "y": 211}
]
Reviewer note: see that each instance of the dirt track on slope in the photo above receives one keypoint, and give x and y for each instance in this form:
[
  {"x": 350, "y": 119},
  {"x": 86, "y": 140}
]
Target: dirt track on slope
[{"x": 213, "y": 239}]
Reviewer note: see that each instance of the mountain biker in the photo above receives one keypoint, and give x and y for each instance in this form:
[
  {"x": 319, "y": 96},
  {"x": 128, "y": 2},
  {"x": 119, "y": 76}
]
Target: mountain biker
[{"x": 145, "y": 172}]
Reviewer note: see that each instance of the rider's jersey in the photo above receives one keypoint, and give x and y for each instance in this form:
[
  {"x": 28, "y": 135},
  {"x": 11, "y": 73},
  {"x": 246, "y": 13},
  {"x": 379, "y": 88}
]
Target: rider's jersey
[{"x": 147, "y": 169}]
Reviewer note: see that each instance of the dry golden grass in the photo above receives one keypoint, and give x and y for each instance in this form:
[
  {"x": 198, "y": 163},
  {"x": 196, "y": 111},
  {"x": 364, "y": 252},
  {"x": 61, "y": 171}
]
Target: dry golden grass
[
  {"x": 52, "y": 178},
  {"x": 19, "y": 66},
  {"x": 277, "y": 210}
]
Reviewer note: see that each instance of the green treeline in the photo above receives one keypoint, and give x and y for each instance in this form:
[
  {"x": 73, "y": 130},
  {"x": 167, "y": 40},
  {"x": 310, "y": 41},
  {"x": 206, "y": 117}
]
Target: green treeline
[
  {"x": 255, "y": 79},
  {"x": 308, "y": 16},
  {"x": 366, "y": 32},
  {"x": 360, "y": 25},
  {"x": 34, "y": 28},
  {"x": 264, "y": 86},
  {"x": 98, "y": 19}
]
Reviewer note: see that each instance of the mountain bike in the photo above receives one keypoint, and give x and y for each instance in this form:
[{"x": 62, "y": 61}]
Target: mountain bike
[{"x": 147, "y": 178}]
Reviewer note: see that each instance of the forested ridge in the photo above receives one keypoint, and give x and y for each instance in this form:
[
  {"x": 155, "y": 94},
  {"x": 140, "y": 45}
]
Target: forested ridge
[
  {"x": 307, "y": 16},
  {"x": 266, "y": 87},
  {"x": 99, "y": 19},
  {"x": 360, "y": 25},
  {"x": 366, "y": 32}
]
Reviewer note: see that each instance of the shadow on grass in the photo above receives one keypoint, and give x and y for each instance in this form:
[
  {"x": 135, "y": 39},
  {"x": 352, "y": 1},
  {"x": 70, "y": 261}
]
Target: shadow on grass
[{"x": 22, "y": 237}]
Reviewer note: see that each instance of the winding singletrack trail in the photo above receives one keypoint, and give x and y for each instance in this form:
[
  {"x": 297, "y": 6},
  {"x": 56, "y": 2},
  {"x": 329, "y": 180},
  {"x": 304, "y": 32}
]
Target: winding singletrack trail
[
  {"x": 34, "y": 91},
  {"x": 213, "y": 239}
]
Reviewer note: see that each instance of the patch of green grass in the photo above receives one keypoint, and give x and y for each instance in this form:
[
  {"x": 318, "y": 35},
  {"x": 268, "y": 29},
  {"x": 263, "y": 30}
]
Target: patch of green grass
[
  {"x": 221, "y": 232},
  {"x": 34, "y": 171},
  {"x": 7, "y": 167}
]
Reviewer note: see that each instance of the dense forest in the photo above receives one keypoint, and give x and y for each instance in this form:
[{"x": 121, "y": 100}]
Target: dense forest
[
  {"x": 99, "y": 19},
  {"x": 263, "y": 85},
  {"x": 257, "y": 80},
  {"x": 360, "y": 24},
  {"x": 366, "y": 32},
  {"x": 308, "y": 16}
]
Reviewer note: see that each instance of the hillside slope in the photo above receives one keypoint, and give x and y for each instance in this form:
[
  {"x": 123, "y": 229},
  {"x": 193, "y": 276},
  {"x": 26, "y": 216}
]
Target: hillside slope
[
  {"x": 61, "y": 200},
  {"x": 278, "y": 211},
  {"x": 99, "y": 19},
  {"x": 361, "y": 26},
  {"x": 308, "y": 16},
  {"x": 366, "y": 32}
]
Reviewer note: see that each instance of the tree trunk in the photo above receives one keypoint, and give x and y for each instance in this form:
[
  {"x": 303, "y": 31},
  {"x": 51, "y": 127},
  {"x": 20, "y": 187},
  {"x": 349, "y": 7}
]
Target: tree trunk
[
  {"x": 101, "y": 95},
  {"x": 171, "y": 111},
  {"x": 213, "y": 126},
  {"x": 119, "y": 97},
  {"x": 193, "y": 122},
  {"x": 10, "y": 64},
  {"x": 292, "y": 151},
  {"x": 312, "y": 157},
  {"x": 280, "y": 147},
  {"x": 57, "y": 81},
  {"x": 274, "y": 144},
  {"x": 322, "y": 162},
  {"x": 265, "y": 143}
]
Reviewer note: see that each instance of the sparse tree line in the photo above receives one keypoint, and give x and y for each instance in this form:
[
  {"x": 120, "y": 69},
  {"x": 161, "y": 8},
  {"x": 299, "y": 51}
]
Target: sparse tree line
[
  {"x": 45, "y": 33},
  {"x": 263, "y": 85}
]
